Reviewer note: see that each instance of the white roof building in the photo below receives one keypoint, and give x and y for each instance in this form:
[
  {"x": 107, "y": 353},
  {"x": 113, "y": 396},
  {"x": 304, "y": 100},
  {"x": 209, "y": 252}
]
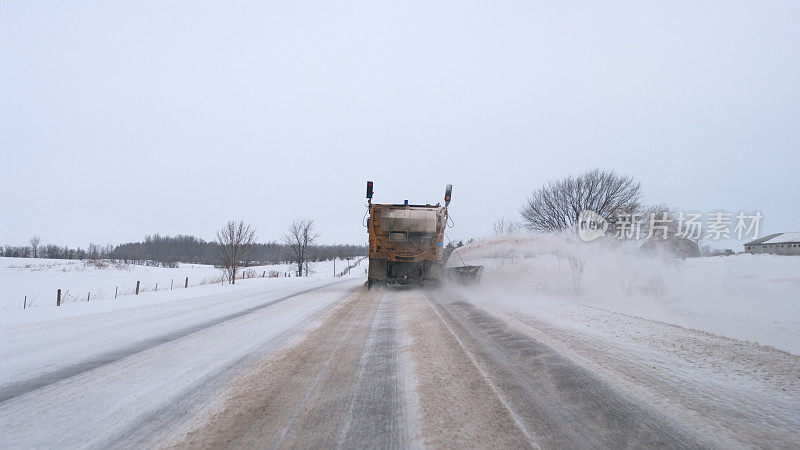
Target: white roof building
[{"x": 778, "y": 243}]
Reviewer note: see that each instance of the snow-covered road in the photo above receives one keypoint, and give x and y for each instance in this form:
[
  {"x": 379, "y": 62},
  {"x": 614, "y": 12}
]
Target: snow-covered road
[
  {"x": 400, "y": 368},
  {"x": 324, "y": 362},
  {"x": 120, "y": 376}
]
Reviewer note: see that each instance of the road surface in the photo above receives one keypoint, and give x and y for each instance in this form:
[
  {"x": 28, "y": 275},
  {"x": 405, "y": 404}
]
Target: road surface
[{"x": 339, "y": 366}]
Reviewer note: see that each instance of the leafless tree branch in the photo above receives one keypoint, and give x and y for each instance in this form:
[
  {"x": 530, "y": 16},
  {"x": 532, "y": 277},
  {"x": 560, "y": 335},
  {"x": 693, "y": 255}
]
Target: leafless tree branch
[
  {"x": 299, "y": 237},
  {"x": 558, "y": 205},
  {"x": 34, "y": 241},
  {"x": 234, "y": 245}
]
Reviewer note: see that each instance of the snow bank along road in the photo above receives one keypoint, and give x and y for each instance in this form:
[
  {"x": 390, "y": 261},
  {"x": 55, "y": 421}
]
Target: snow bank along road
[
  {"x": 128, "y": 376},
  {"x": 340, "y": 366}
]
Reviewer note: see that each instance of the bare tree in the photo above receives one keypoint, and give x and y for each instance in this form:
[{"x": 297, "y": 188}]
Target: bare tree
[
  {"x": 558, "y": 205},
  {"x": 94, "y": 251},
  {"x": 505, "y": 226},
  {"x": 299, "y": 237},
  {"x": 234, "y": 245},
  {"x": 35, "y": 245}
]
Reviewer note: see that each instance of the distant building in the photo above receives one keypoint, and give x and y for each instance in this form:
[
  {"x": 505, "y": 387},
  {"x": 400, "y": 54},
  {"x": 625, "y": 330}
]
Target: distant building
[
  {"x": 680, "y": 247},
  {"x": 778, "y": 244}
]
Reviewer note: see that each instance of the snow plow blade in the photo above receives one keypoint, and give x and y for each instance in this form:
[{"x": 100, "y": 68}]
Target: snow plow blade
[{"x": 465, "y": 274}]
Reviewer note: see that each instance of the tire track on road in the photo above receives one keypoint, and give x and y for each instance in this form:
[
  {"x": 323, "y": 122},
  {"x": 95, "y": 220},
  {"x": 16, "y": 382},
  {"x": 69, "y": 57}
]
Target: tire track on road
[
  {"x": 457, "y": 406},
  {"x": 563, "y": 404},
  {"x": 518, "y": 422},
  {"x": 376, "y": 414},
  {"x": 338, "y": 387}
]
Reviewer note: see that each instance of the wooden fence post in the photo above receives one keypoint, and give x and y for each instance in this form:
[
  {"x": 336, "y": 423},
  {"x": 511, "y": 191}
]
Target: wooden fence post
[
  {"x": 156, "y": 286},
  {"x": 116, "y": 289},
  {"x": 88, "y": 295},
  {"x": 58, "y": 298},
  {"x": 137, "y": 288},
  {"x": 26, "y": 302},
  {"x": 187, "y": 283},
  {"x": 170, "y": 283}
]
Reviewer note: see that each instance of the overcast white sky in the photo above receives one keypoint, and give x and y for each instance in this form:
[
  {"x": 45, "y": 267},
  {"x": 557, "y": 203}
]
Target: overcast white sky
[{"x": 120, "y": 119}]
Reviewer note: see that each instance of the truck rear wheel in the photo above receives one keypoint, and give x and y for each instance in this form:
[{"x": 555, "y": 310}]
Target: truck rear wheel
[{"x": 377, "y": 271}]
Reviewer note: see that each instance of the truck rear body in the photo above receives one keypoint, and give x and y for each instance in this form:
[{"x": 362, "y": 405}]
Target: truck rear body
[{"x": 405, "y": 243}]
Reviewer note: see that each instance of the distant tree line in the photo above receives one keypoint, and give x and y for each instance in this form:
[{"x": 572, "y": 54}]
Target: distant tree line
[
  {"x": 169, "y": 250},
  {"x": 52, "y": 251}
]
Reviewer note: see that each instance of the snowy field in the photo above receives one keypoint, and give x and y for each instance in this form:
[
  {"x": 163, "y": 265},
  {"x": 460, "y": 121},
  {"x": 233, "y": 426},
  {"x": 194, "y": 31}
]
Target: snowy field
[
  {"x": 93, "y": 369},
  {"x": 75, "y": 380},
  {"x": 79, "y": 281},
  {"x": 754, "y": 298}
]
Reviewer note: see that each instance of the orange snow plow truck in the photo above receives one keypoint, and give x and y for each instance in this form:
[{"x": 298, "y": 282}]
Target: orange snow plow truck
[{"x": 406, "y": 244}]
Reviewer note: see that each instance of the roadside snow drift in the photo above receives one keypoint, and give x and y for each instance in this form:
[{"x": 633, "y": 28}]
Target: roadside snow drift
[{"x": 748, "y": 297}]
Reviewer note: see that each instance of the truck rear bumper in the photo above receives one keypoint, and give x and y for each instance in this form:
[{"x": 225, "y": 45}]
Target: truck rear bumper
[{"x": 382, "y": 271}]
